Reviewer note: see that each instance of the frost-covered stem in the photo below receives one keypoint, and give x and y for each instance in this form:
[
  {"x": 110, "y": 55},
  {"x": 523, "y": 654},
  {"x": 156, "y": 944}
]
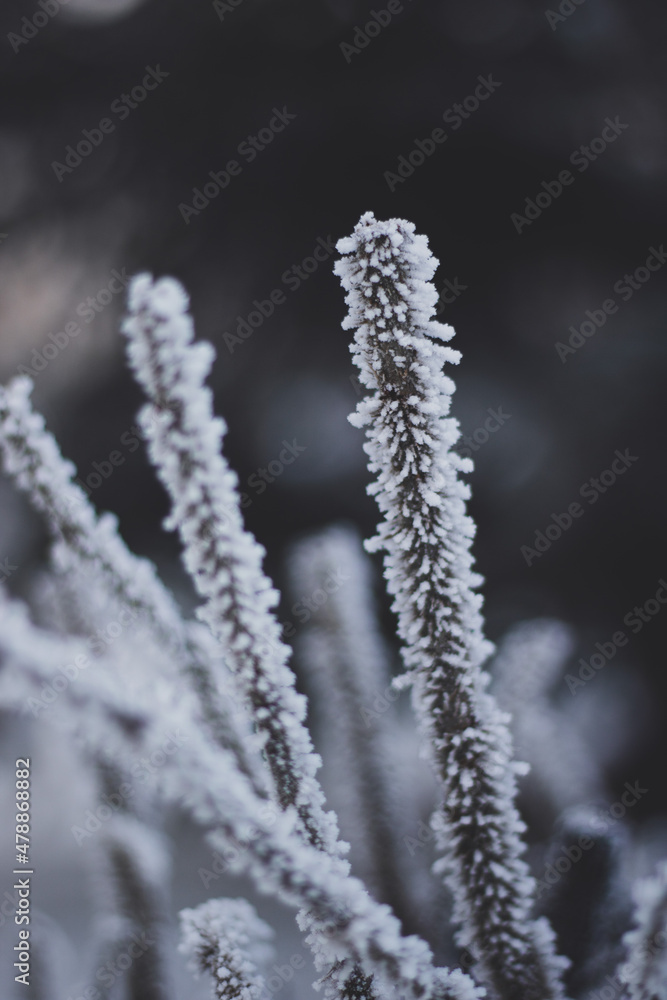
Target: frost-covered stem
[
  {"x": 226, "y": 939},
  {"x": 32, "y": 457},
  {"x": 139, "y": 867},
  {"x": 346, "y": 662},
  {"x": 112, "y": 941},
  {"x": 46, "y": 945},
  {"x": 206, "y": 781},
  {"x": 184, "y": 440},
  {"x": 86, "y": 541},
  {"x": 122, "y": 929},
  {"x": 588, "y": 905},
  {"x": 426, "y": 536},
  {"x": 31, "y": 658},
  {"x": 224, "y": 560},
  {"x": 645, "y": 969},
  {"x": 530, "y": 661}
]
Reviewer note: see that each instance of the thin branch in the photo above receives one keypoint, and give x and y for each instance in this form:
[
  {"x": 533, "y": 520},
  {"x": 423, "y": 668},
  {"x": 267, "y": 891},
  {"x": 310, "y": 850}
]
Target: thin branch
[
  {"x": 342, "y": 921},
  {"x": 346, "y": 661},
  {"x": 89, "y": 552},
  {"x": 226, "y": 939},
  {"x": 224, "y": 561},
  {"x": 645, "y": 970},
  {"x": 426, "y": 536}
]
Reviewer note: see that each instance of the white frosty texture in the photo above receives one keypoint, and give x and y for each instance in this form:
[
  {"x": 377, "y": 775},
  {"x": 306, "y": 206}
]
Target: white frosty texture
[
  {"x": 94, "y": 566},
  {"x": 107, "y": 711},
  {"x": 645, "y": 971},
  {"x": 136, "y": 867},
  {"x": 32, "y": 458},
  {"x": 121, "y": 717},
  {"x": 41, "y": 672},
  {"x": 530, "y": 661},
  {"x": 531, "y": 658},
  {"x": 224, "y": 560},
  {"x": 346, "y": 662},
  {"x": 226, "y": 939},
  {"x": 426, "y": 535},
  {"x": 145, "y": 846}
]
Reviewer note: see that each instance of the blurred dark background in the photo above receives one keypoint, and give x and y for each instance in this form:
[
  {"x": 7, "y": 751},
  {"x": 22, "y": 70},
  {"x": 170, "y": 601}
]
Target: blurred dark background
[{"x": 229, "y": 67}]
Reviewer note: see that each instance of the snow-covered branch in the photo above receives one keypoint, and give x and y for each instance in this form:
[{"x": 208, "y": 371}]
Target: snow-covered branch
[
  {"x": 32, "y": 457},
  {"x": 138, "y": 869},
  {"x": 40, "y": 670},
  {"x": 90, "y": 556},
  {"x": 426, "y": 536},
  {"x": 114, "y": 708},
  {"x": 224, "y": 560},
  {"x": 645, "y": 971},
  {"x": 582, "y": 890},
  {"x": 121, "y": 720},
  {"x": 346, "y": 662},
  {"x": 226, "y": 939},
  {"x": 530, "y": 660}
]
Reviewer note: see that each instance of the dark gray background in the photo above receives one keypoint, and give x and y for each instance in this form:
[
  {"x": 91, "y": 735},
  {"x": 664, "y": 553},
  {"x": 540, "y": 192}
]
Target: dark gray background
[{"x": 291, "y": 379}]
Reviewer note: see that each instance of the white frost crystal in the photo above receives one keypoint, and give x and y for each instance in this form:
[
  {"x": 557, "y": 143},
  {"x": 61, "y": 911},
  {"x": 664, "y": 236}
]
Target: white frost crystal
[{"x": 426, "y": 536}]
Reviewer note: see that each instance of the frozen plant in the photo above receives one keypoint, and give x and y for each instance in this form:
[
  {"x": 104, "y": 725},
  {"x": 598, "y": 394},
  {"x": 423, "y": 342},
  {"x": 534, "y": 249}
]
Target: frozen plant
[
  {"x": 530, "y": 662},
  {"x": 226, "y": 938},
  {"x": 426, "y": 535},
  {"x": 94, "y": 566},
  {"x": 645, "y": 971},
  {"x": 245, "y": 770},
  {"x": 346, "y": 662},
  {"x": 206, "y": 782}
]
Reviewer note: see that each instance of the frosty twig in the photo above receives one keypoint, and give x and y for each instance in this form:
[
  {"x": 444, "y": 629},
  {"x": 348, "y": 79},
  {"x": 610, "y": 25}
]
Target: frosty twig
[{"x": 426, "y": 535}]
